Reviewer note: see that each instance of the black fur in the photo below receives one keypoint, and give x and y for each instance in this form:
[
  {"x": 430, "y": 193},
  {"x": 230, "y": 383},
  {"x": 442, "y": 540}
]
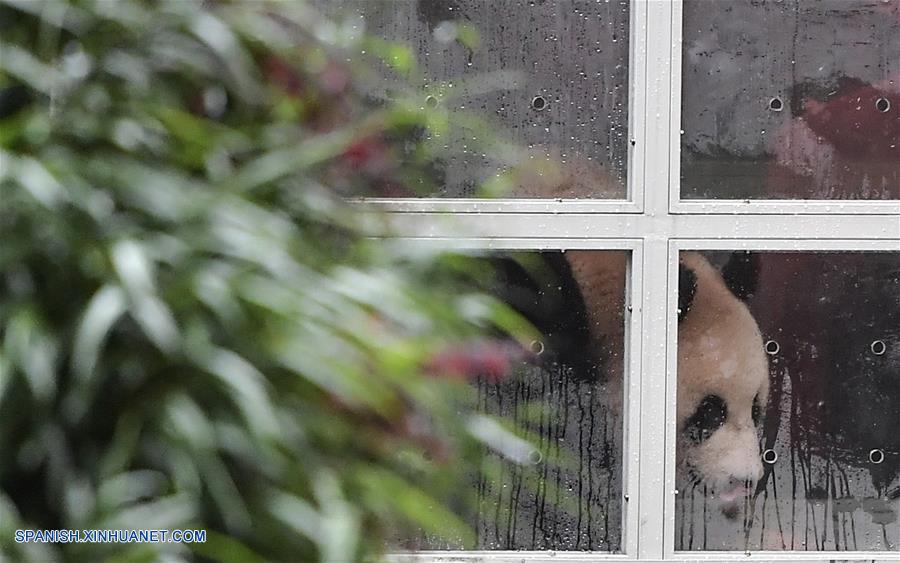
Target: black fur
[
  {"x": 687, "y": 288},
  {"x": 541, "y": 287},
  {"x": 741, "y": 274},
  {"x": 710, "y": 415}
]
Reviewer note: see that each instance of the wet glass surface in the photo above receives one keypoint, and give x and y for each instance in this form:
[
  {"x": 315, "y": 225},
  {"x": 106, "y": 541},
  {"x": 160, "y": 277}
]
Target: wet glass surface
[
  {"x": 550, "y": 75},
  {"x": 570, "y": 500},
  {"x": 568, "y": 401},
  {"x": 823, "y": 450},
  {"x": 791, "y": 99}
]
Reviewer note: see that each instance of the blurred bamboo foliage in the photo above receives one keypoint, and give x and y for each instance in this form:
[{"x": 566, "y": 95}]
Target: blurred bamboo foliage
[{"x": 196, "y": 331}]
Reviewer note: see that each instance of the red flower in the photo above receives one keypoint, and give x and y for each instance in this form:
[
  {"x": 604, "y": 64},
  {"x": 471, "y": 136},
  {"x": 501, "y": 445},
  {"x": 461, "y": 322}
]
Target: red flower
[
  {"x": 492, "y": 360},
  {"x": 282, "y": 75},
  {"x": 369, "y": 155},
  {"x": 334, "y": 78}
]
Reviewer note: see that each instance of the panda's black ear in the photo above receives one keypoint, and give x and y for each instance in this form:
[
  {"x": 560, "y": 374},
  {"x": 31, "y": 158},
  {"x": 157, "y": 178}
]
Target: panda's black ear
[
  {"x": 687, "y": 288},
  {"x": 741, "y": 274}
]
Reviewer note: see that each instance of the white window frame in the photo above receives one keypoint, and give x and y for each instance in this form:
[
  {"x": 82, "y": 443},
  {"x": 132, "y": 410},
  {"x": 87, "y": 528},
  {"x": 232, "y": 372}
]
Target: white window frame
[{"x": 654, "y": 224}]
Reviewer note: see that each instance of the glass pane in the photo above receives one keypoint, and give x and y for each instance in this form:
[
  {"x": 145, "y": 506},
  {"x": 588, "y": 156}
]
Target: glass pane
[
  {"x": 567, "y": 401},
  {"x": 791, "y": 99},
  {"x": 788, "y": 436},
  {"x": 550, "y": 75}
]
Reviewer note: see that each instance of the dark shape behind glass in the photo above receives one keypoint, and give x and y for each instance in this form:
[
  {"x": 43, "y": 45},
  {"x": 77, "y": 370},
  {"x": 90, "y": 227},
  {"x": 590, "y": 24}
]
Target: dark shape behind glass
[{"x": 833, "y": 64}]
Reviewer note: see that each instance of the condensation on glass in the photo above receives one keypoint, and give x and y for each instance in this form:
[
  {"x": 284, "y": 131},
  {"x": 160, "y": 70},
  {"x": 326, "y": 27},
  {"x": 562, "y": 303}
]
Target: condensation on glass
[
  {"x": 812, "y": 461},
  {"x": 791, "y": 99},
  {"x": 549, "y": 75},
  {"x": 568, "y": 400}
]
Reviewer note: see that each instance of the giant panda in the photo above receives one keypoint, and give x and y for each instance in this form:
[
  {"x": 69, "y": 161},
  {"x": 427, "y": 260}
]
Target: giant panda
[
  {"x": 723, "y": 371},
  {"x": 723, "y": 381}
]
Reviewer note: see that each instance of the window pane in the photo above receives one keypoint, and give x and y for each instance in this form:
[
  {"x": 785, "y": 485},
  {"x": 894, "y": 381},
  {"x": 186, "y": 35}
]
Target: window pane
[
  {"x": 791, "y": 99},
  {"x": 551, "y": 75},
  {"x": 788, "y": 438},
  {"x": 568, "y": 400}
]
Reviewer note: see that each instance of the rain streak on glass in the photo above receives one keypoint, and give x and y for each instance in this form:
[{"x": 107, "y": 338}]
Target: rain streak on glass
[
  {"x": 549, "y": 75},
  {"x": 824, "y": 422},
  {"x": 791, "y": 100},
  {"x": 565, "y": 495}
]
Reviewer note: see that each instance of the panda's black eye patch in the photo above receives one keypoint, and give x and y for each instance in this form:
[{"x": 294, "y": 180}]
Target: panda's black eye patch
[
  {"x": 756, "y": 412},
  {"x": 709, "y": 416}
]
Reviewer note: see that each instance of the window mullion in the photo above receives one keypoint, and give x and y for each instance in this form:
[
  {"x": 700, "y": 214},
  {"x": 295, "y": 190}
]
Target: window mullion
[{"x": 654, "y": 305}]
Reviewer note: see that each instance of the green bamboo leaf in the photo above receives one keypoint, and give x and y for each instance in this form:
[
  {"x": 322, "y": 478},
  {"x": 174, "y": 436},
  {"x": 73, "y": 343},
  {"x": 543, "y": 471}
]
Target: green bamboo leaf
[
  {"x": 23, "y": 65},
  {"x": 189, "y": 423},
  {"x": 416, "y": 506},
  {"x": 137, "y": 274},
  {"x": 219, "y": 547},
  {"x": 501, "y": 440},
  {"x": 34, "y": 352},
  {"x": 133, "y": 267},
  {"x": 339, "y": 520},
  {"x": 225, "y": 494},
  {"x": 290, "y": 344},
  {"x": 102, "y": 312},
  {"x": 232, "y": 55},
  {"x": 128, "y": 487},
  {"x": 170, "y": 512},
  {"x": 38, "y": 181},
  {"x": 122, "y": 446},
  {"x": 6, "y": 374},
  {"x": 52, "y": 12},
  {"x": 248, "y": 389},
  {"x": 297, "y": 513},
  {"x": 279, "y": 163}
]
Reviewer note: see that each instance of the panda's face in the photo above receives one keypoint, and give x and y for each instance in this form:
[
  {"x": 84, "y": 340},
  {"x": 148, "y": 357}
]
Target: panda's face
[{"x": 723, "y": 387}]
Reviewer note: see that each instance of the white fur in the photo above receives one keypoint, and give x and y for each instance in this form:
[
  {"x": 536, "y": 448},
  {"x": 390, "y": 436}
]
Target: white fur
[{"x": 734, "y": 368}]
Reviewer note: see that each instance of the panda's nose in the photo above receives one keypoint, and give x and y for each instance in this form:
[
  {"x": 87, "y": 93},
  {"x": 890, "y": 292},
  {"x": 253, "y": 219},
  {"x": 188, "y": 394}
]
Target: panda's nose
[
  {"x": 749, "y": 474},
  {"x": 737, "y": 459}
]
